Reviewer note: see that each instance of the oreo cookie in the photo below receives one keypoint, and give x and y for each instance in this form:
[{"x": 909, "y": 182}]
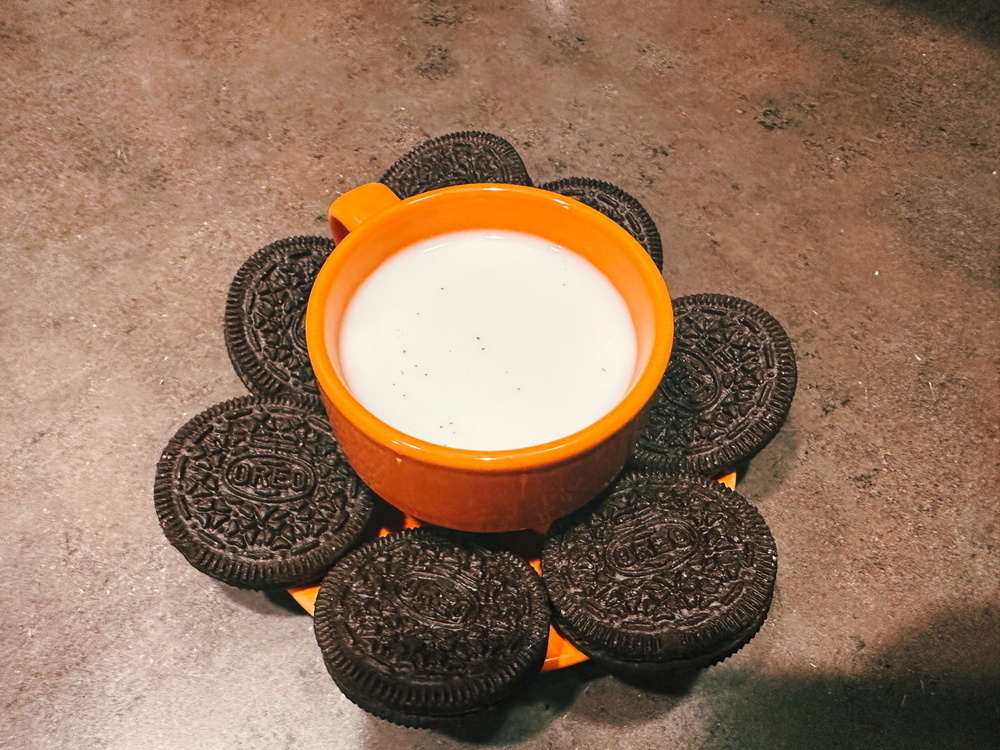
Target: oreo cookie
[
  {"x": 617, "y": 205},
  {"x": 427, "y": 628},
  {"x": 257, "y": 494},
  {"x": 662, "y": 573},
  {"x": 265, "y": 317},
  {"x": 456, "y": 159},
  {"x": 727, "y": 389}
]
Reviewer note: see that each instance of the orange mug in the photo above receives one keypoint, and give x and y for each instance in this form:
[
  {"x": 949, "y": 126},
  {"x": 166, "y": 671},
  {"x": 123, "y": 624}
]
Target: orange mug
[{"x": 483, "y": 490}]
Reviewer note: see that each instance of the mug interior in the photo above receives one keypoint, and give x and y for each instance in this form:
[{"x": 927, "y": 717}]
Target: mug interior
[{"x": 573, "y": 225}]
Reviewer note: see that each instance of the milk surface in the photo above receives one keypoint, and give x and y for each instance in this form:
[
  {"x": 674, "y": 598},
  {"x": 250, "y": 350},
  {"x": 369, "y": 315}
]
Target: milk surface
[{"x": 487, "y": 340}]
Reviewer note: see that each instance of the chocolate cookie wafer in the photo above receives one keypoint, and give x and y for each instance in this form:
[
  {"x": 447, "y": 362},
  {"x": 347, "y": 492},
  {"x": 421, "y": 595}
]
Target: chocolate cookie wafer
[
  {"x": 616, "y": 204},
  {"x": 265, "y": 313},
  {"x": 727, "y": 389},
  {"x": 426, "y": 628},
  {"x": 258, "y": 494},
  {"x": 661, "y": 573},
  {"x": 456, "y": 159}
]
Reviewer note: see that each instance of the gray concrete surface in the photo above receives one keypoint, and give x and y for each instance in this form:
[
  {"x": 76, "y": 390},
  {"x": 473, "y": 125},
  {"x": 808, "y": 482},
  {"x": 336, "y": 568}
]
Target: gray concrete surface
[{"x": 835, "y": 162}]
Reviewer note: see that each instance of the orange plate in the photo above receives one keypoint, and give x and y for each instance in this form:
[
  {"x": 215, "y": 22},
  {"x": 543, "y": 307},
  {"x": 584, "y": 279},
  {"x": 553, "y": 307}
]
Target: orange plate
[{"x": 560, "y": 653}]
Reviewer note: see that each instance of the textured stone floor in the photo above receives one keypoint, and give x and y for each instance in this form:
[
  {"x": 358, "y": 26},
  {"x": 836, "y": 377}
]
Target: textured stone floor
[{"x": 835, "y": 162}]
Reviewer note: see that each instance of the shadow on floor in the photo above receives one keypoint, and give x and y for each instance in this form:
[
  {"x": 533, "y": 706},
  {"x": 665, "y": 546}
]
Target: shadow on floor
[
  {"x": 275, "y": 602},
  {"x": 978, "y": 19},
  {"x": 937, "y": 687}
]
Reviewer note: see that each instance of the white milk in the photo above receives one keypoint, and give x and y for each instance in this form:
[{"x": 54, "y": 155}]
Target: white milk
[{"x": 487, "y": 340}]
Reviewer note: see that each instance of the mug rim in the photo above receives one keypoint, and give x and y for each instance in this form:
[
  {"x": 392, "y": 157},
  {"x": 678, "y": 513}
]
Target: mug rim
[{"x": 532, "y": 457}]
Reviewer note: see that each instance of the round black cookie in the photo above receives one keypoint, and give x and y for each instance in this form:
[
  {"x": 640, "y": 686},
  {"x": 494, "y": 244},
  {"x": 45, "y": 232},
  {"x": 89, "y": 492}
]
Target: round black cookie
[
  {"x": 661, "y": 573},
  {"x": 456, "y": 159},
  {"x": 265, "y": 316},
  {"x": 616, "y": 204},
  {"x": 427, "y": 628},
  {"x": 727, "y": 389},
  {"x": 257, "y": 493}
]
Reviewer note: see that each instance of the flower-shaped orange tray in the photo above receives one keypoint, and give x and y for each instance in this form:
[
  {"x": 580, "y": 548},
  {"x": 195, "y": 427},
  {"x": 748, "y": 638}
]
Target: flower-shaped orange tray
[{"x": 560, "y": 653}]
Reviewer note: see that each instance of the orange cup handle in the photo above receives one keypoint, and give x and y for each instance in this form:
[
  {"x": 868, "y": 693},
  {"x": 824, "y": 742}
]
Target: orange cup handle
[{"x": 356, "y": 206}]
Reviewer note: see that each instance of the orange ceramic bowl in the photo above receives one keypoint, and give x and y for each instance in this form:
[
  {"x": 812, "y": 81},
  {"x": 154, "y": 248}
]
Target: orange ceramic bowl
[{"x": 483, "y": 491}]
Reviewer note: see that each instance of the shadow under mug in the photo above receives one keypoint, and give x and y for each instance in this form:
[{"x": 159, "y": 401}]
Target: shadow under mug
[{"x": 483, "y": 491}]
